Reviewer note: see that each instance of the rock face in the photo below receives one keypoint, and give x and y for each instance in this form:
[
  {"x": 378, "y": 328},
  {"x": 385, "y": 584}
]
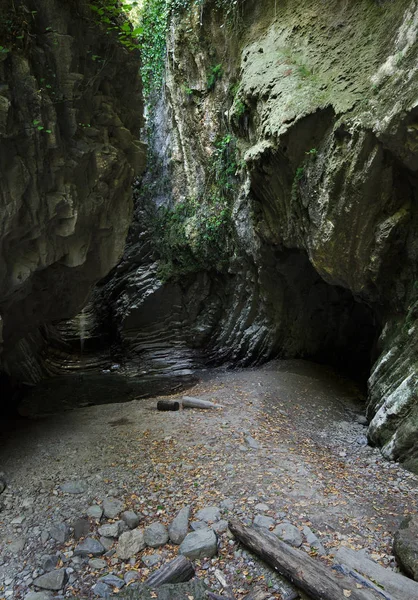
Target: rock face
[
  {"x": 70, "y": 115},
  {"x": 405, "y": 546},
  {"x": 322, "y": 255}
]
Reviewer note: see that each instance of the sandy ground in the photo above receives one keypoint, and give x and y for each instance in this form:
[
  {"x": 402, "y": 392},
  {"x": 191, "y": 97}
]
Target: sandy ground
[{"x": 310, "y": 468}]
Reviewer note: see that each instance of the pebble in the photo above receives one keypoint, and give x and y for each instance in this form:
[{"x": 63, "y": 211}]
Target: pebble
[
  {"x": 113, "y": 581},
  {"x": 253, "y": 444},
  {"x": 111, "y": 530},
  {"x": 261, "y": 507}
]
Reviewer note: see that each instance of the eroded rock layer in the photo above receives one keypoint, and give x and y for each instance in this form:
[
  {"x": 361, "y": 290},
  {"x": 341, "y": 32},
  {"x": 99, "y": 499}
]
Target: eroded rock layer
[
  {"x": 321, "y": 98},
  {"x": 70, "y": 115}
]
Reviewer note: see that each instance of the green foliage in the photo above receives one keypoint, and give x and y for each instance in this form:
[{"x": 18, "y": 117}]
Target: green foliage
[
  {"x": 313, "y": 152},
  {"x": 196, "y": 234},
  {"x": 300, "y": 172},
  {"x": 112, "y": 15},
  {"x": 215, "y": 74},
  {"x": 4, "y": 50}
]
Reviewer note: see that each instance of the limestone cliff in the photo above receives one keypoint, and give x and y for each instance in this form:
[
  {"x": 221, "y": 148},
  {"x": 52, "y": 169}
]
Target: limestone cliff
[
  {"x": 320, "y": 98},
  {"x": 70, "y": 116}
]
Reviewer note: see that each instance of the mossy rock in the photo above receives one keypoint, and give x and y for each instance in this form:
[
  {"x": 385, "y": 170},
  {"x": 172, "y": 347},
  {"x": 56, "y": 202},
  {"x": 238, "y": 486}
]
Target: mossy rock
[
  {"x": 179, "y": 591},
  {"x": 405, "y": 546}
]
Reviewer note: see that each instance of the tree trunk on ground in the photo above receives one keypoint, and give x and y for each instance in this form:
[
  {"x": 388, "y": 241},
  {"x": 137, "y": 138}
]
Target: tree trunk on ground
[
  {"x": 309, "y": 575},
  {"x": 393, "y": 583},
  {"x": 177, "y": 571},
  {"x": 168, "y": 405},
  {"x": 190, "y": 402}
]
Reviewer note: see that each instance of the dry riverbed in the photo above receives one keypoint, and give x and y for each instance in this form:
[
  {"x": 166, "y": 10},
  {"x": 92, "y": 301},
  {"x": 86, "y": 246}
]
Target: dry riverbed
[{"x": 288, "y": 444}]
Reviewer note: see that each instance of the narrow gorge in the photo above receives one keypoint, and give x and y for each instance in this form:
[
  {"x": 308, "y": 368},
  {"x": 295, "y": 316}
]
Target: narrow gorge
[{"x": 217, "y": 197}]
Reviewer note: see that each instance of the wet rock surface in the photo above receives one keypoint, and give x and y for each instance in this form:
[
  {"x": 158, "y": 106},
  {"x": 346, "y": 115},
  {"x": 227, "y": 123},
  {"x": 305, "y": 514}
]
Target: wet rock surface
[{"x": 308, "y": 472}]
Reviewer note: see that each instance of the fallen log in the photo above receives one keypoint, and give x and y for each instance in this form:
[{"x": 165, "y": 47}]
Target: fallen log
[
  {"x": 258, "y": 594},
  {"x": 311, "y": 576},
  {"x": 168, "y": 405},
  {"x": 178, "y": 570},
  {"x": 397, "y": 585},
  {"x": 190, "y": 402}
]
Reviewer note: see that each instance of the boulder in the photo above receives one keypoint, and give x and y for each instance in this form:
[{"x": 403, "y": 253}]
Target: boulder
[
  {"x": 289, "y": 534},
  {"x": 209, "y": 514},
  {"x": 74, "y": 487},
  {"x": 89, "y": 546},
  {"x": 155, "y": 535},
  {"x": 199, "y": 544},
  {"x": 405, "y": 546},
  {"x": 130, "y": 543},
  {"x": 131, "y": 519},
  {"x": 54, "y": 580},
  {"x": 262, "y": 521},
  {"x": 180, "y": 526},
  {"x": 112, "y": 507}
]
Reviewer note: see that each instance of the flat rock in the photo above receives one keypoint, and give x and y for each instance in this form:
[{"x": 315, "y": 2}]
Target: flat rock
[
  {"x": 209, "y": 514},
  {"x": 17, "y": 546},
  {"x": 220, "y": 526},
  {"x": 49, "y": 562},
  {"x": 180, "y": 526},
  {"x": 38, "y": 596},
  {"x": 199, "y": 544},
  {"x": 106, "y": 542},
  {"x": 263, "y": 521},
  {"x": 195, "y": 589},
  {"x": 151, "y": 560},
  {"x": 262, "y": 507},
  {"x": 405, "y": 546},
  {"x": 60, "y": 532},
  {"x": 97, "y": 563},
  {"x": 112, "y": 507},
  {"x": 131, "y": 519},
  {"x": 227, "y": 504},
  {"x": 101, "y": 589},
  {"x": 111, "y": 530},
  {"x": 155, "y": 535},
  {"x": 95, "y": 512},
  {"x": 54, "y": 580},
  {"x": 313, "y": 541},
  {"x": 289, "y": 534},
  {"x": 81, "y": 528},
  {"x": 196, "y": 525},
  {"x": 74, "y": 487},
  {"x": 130, "y": 543},
  {"x": 89, "y": 546},
  {"x": 252, "y": 443},
  {"x": 113, "y": 581}
]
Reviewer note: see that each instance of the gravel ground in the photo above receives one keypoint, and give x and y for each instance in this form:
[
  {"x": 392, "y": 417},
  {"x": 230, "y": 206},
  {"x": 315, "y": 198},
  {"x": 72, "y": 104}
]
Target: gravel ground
[{"x": 288, "y": 444}]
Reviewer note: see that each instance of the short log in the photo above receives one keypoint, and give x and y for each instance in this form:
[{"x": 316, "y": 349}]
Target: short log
[
  {"x": 190, "y": 402},
  {"x": 168, "y": 405},
  {"x": 178, "y": 570}
]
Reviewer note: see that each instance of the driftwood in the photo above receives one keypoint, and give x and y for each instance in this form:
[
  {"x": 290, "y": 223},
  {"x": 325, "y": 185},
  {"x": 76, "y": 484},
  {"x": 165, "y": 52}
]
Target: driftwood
[
  {"x": 168, "y": 405},
  {"x": 394, "y": 584},
  {"x": 311, "y": 576},
  {"x": 190, "y": 402},
  {"x": 178, "y": 570}
]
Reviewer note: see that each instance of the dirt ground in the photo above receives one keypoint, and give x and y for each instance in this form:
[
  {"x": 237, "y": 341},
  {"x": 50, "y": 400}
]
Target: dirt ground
[{"x": 309, "y": 466}]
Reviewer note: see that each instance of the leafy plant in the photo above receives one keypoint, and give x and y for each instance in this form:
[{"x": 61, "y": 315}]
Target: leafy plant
[
  {"x": 215, "y": 74},
  {"x": 112, "y": 15}
]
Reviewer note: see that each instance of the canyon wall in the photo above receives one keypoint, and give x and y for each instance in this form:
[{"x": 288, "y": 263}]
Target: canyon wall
[
  {"x": 320, "y": 256},
  {"x": 70, "y": 119}
]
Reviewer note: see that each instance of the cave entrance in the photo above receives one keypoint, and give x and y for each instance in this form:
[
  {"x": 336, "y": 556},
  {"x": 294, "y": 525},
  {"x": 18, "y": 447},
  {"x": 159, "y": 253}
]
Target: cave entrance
[{"x": 326, "y": 323}]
